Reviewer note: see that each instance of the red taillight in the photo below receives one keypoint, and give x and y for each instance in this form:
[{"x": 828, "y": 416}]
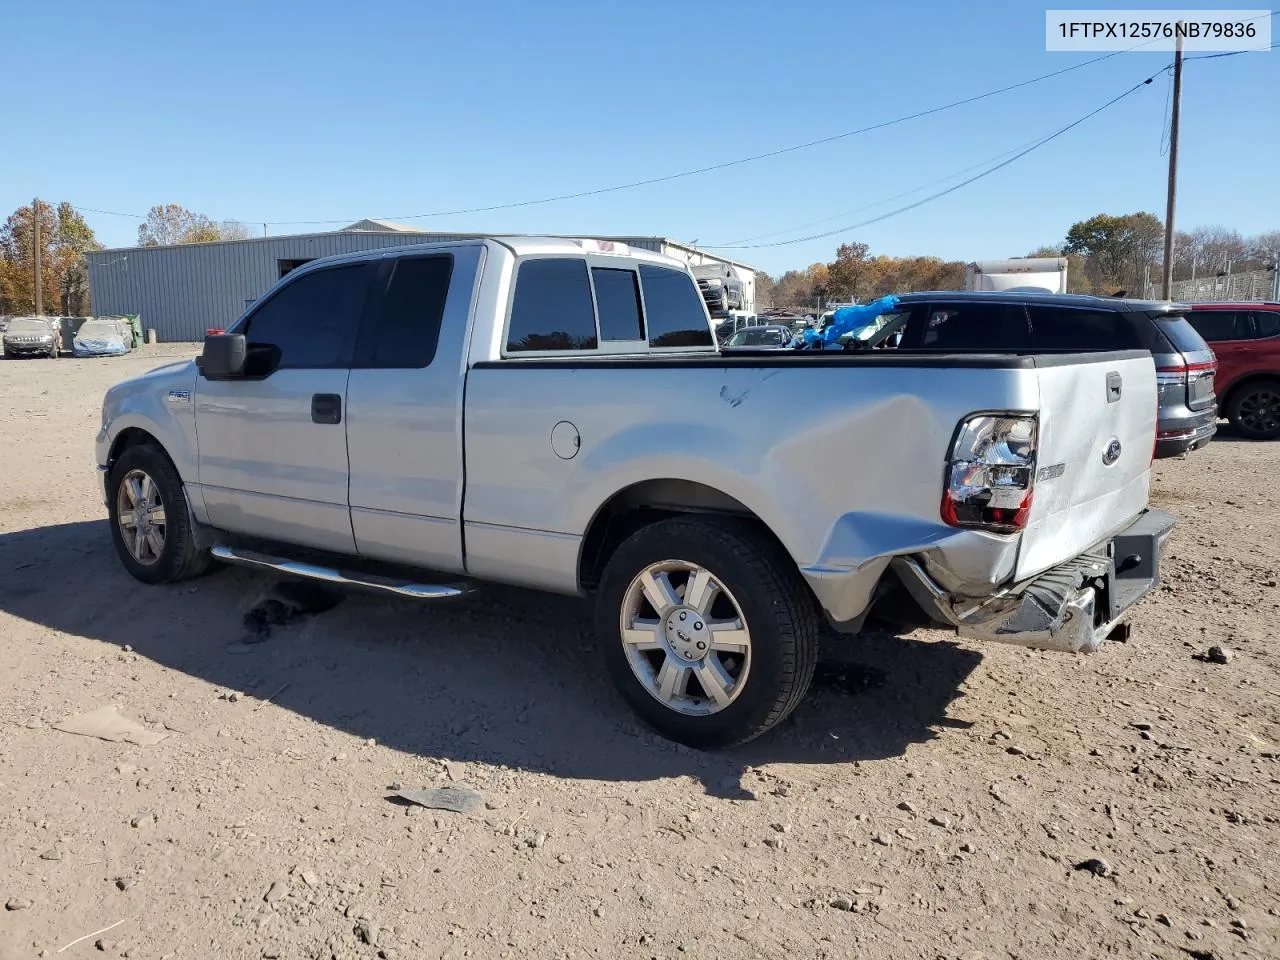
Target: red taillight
[
  {"x": 991, "y": 473},
  {"x": 1181, "y": 370}
]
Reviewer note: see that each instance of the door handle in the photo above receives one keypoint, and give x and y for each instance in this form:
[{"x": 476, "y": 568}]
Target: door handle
[
  {"x": 326, "y": 408},
  {"x": 1113, "y": 387}
]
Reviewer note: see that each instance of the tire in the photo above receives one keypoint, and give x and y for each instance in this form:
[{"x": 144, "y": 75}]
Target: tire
[
  {"x": 168, "y": 553},
  {"x": 1254, "y": 410},
  {"x": 762, "y": 671}
]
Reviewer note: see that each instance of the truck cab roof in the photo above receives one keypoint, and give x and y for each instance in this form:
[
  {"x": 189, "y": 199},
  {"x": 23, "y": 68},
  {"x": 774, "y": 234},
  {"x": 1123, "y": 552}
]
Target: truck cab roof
[{"x": 520, "y": 245}]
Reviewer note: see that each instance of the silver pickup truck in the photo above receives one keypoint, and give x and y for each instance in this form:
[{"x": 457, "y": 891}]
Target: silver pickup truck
[{"x": 554, "y": 413}]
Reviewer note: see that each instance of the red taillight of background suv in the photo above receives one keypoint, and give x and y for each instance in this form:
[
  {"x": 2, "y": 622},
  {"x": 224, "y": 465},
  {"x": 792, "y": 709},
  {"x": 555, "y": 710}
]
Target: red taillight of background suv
[{"x": 1182, "y": 377}]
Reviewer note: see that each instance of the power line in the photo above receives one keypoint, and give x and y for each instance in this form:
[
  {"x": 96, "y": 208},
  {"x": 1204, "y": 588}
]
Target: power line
[
  {"x": 952, "y": 189},
  {"x": 1232, "y": 53},
  {"x": 884, "y": 200},
  {"x": 1236, "y": 53},
  {"x": 697, "y": 171},
  {"x": 724, "y": 165}
]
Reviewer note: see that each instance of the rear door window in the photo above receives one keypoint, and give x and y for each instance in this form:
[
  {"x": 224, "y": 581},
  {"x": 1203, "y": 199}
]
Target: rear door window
[
  {"x": 674, "y": 309},
  {"x": 552, "y": 308},
  {"x": 412, "y": 308},
  {"x": 1062, "y": 328},
  {"x": 969, "y": 327},
  {"x": 1221, "y": 325},
  {"x": 618, "y": 303},
  {"x": 1266, "y": 323}
]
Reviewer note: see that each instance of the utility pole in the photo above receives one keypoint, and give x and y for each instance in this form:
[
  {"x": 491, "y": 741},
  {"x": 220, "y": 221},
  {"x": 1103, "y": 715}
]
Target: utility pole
[
  {"x": 35, "y": 250},
  {"x": 1167, "y": 285}
]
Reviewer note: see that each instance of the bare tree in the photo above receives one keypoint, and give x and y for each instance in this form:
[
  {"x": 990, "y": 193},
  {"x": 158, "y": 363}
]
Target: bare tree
[{"x": 172, "y": 223}]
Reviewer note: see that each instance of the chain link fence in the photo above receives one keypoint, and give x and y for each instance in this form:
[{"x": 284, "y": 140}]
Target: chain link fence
[{"x": 1255, "y": 285}]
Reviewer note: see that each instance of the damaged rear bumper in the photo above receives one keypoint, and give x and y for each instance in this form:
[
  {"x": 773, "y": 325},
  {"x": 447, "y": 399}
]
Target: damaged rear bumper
[{"x": 1071, "y": 608}]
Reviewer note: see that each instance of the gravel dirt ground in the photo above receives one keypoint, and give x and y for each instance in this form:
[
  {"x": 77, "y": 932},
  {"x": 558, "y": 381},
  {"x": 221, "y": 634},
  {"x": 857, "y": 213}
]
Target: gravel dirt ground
[{"x": 929, "y": 799}]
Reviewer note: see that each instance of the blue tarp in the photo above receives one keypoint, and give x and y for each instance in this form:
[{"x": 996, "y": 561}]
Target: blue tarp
[
  {"x": 107, "y": 346},
  {"x": 848, "y": 319}
]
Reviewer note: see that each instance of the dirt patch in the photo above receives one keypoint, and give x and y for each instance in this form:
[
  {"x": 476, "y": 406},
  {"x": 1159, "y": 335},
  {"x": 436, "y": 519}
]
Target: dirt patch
[{"x": 930, "y": 799}]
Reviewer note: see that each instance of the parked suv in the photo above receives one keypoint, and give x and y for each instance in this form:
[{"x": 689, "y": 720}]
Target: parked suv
[
  {"x": 1030, "y": 322},
  {"x": 32, "y": 337},
  {"x": 1246, "y": 339}
]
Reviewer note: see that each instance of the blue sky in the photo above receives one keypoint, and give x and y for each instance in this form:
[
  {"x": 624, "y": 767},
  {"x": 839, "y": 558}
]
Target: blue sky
[{"x": 289, "y": 111}]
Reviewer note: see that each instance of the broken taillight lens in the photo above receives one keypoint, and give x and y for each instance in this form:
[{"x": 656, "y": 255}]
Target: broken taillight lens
[{"x": 991, "y": 473}]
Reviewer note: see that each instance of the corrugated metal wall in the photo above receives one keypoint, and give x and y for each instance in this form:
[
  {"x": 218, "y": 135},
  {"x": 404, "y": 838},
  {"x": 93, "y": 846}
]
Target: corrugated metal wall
[{"x": 182, "y": 291}]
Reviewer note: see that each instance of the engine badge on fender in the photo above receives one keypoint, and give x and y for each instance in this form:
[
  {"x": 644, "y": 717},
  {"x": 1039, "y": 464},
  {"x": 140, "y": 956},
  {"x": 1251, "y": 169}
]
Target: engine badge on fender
[{"x": 1051, "y": 472}]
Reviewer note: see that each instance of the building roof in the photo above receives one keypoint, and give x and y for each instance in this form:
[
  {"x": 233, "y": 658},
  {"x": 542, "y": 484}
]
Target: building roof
[
  {"x": 380, "y": 226},
  {"x": 387, "y": 226}
]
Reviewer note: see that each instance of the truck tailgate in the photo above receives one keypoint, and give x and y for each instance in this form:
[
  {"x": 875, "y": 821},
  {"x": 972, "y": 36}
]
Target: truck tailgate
[{"x": 1093, "y": 467}]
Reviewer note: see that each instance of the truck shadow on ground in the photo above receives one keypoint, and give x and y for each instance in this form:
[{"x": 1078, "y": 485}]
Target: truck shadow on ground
[{"x": 506, "y": 677}]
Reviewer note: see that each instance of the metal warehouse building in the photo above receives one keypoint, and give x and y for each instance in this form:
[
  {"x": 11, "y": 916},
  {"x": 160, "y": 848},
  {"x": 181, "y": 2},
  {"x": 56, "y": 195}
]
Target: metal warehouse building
[{"x": 182, "y": 291}]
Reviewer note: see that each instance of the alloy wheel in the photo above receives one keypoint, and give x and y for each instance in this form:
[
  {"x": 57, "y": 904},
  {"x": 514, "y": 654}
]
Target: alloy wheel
[
  {"x": 1260, "y": 411},
  {"x": 140, "y": 514},
  {"x": 685, "y": 637}
]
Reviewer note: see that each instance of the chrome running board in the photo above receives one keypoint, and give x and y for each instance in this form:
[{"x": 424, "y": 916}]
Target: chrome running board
[{"x": 310, "y": 571}]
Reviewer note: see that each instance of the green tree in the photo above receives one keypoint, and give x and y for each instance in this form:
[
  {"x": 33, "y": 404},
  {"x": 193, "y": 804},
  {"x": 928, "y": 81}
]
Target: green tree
[{"x": 1121, "y": 250}]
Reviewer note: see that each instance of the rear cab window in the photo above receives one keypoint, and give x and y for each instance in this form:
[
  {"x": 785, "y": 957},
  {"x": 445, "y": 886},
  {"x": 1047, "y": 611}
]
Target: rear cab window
[
  {"x": 674, "y": 309},
  {"x": 552, "y": 309},
  {"x": 603, "y": 306}
]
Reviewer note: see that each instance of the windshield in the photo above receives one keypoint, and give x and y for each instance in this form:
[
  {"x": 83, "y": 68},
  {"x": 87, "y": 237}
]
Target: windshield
[
  {"x": 28, "y": 325},
  {"x": 98, "y": 328},
  {"x": 757, "y": 337}
]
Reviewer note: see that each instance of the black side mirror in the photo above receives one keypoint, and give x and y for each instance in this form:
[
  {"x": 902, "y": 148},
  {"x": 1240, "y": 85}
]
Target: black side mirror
[{"x": 223, "y": 357}]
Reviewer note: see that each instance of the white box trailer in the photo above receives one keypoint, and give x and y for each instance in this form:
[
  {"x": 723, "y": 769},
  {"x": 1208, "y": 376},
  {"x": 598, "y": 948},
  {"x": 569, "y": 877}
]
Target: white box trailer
[{"x": 1018, "y": 273}]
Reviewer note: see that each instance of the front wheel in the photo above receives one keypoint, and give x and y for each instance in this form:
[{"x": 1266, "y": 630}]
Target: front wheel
[
  {"x": 150, "y": 523},
  {"x": 707, "y": 629},
  {"x": 1254, "y": 410}
]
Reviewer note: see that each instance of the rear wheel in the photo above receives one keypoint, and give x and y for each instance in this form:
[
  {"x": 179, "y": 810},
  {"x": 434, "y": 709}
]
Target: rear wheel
[
  {"x": 150, "y": 523},
  {"x": 707, "y": 630},
  {"x": 1254, "y": 410}
]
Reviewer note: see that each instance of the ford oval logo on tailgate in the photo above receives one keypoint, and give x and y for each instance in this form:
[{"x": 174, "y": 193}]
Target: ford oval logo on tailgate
[{"x": 1112, "y": 453}]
